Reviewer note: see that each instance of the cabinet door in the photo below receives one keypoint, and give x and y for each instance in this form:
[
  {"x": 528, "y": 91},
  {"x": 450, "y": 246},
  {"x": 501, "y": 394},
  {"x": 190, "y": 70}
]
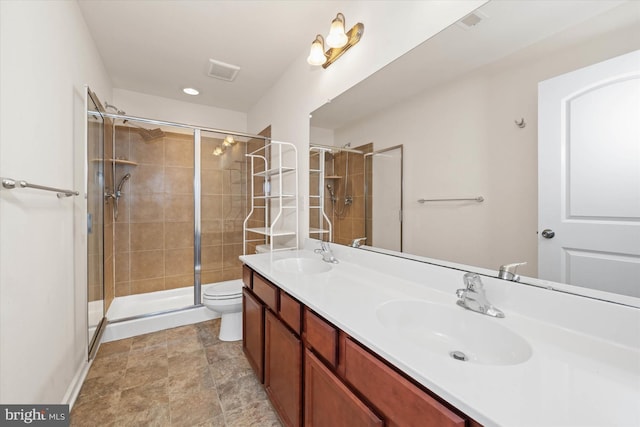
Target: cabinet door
[
  {"x": 328, "y": 402},
  {"x": 253, "y": 332},
  {"x": 283, "y": 370},
  {"x": 401, "y": 403}
]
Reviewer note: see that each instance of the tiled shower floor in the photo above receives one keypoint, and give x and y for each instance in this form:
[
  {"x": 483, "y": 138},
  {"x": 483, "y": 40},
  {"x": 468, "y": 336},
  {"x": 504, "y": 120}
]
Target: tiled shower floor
[{"x": 179, "y": 377}]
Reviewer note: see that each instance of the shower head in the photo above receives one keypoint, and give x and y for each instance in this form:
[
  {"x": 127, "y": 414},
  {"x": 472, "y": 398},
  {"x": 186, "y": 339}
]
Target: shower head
[
  {"x": 122, "y": 181},
  {"x": 150, "y": 134}
]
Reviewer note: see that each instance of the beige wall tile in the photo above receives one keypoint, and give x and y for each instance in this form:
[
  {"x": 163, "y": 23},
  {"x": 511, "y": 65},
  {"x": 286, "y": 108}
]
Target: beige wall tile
[
  {"x": 147, "y": 285},
  {"x": 123, "y": 288},
  {"x": 211, "y": 207},
  {"x": 178, "y": 151},
  {"x": 178, "y": 207},
  {"x": 178, "y": 180},
  {"x": 232, "y": 273},
  {"x": 230, "y": 254},
  {"x": 211, "y": 257},
  {"x": 212, "y": 232},
  {"x": 122, "y": 267},
  {"x": 147, "y": 179},
  {"x": 146, "y": 236},
  {"x": 180, "y": 281},
  {"x": 178, "y": 261},
  {"x": 178, "y": 235},
  {"x": 211, "y": 181},
  {"x": 147, "y": 264},
  {"x": 147, "y": 208},
  {"x": 233, "y": 207},
  {"x": 122, "y": 237},
  {"x": 211, "y": 276},
  {"x": 148, "y": 152}
]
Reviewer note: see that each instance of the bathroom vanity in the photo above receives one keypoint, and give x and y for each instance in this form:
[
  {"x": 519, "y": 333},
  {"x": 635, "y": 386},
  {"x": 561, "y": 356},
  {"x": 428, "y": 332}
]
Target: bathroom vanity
[{"x": 378, "y": 340}]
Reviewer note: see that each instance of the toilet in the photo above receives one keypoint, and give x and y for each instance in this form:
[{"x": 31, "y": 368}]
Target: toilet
[{"x": 226, "y": 298}]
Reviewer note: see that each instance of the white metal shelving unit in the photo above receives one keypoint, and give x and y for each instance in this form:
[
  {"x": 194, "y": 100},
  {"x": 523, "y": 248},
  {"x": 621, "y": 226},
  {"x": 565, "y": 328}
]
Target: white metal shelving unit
[
  {"x": 319, "y": 231},
  {"x": 277, "y": 199}
]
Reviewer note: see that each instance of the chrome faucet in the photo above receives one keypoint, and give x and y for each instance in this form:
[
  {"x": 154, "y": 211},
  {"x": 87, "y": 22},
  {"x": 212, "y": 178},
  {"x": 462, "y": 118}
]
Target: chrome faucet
[
  {"x": 327, "y": 254},
  {"x": 508, "y": 271},
  {"x": 474, "y": 298},
  {"x": 356, "y": 243}
]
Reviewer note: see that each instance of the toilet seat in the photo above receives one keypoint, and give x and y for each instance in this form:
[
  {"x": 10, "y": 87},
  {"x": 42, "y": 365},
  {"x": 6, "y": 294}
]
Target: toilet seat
[{"x": 224, "y": 291}]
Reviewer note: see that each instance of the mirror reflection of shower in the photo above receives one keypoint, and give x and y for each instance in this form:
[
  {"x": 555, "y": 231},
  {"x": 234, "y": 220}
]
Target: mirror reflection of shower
[{"x": 339, "y": 210}]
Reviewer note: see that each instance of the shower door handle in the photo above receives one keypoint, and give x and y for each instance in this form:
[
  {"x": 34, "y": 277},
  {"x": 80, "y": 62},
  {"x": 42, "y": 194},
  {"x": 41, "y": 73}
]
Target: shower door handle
[{"x": 89, "y": 223}]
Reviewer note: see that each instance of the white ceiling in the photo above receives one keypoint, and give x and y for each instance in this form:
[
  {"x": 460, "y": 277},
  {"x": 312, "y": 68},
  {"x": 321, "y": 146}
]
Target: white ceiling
[{"x": 159, "y": 47}]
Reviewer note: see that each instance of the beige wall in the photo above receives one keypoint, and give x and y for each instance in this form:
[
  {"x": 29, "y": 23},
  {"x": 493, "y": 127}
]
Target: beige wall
[
  {"x": 460, "y": 140},
  {"x": 43, "y": 256}
]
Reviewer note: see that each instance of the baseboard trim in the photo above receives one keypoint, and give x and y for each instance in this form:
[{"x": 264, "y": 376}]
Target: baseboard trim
[{"x": 76, "y": 384}]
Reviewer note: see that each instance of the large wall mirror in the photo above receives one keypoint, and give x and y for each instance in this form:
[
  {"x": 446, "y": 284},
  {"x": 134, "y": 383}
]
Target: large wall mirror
[{"x": 465, "y": 107}]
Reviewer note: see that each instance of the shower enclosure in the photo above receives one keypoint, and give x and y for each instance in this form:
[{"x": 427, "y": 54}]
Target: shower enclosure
[{"x": 178, "y": 199}]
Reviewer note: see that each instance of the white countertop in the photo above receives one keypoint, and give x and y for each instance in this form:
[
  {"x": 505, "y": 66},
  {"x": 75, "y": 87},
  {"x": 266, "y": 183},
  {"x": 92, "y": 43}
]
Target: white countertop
[{"x": 585, "y": 363}]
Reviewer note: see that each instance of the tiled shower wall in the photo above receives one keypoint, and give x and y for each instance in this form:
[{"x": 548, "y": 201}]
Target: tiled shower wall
[{"x": 154, "y": 241}]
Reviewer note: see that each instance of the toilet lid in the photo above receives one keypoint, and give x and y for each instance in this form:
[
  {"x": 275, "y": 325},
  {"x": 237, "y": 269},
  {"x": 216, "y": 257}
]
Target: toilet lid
[{"x": 224, "y": 290}]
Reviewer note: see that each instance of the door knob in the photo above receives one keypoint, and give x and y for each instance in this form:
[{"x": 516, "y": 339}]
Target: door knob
[{"x": 548, "y": 234}]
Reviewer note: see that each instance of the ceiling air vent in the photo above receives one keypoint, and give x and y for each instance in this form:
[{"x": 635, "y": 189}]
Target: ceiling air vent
[
  {"x": 471, "y": 20},
  {"x": 222, "y": 71}
]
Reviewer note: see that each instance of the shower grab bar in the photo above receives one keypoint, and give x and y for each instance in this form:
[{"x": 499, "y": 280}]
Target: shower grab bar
[
  {"x": 10, "y": 184},
  {"x": 478, "y": 199}
]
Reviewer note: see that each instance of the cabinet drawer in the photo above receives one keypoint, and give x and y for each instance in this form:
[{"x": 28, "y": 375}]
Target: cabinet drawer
[
  {"x": 267, "y": 292},
  {"x": 321, "y": 337},
  {"x": 247, "y": 275},
  {"x": 400, "y": 402},
  {"x": 290, "y": 312}
]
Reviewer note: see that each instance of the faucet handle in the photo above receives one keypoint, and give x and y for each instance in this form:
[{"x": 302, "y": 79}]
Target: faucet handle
[
  {"x": 473, "y": 282},
  {"x": 357, "y": 242},
  {"x": 508, "y": 271}
]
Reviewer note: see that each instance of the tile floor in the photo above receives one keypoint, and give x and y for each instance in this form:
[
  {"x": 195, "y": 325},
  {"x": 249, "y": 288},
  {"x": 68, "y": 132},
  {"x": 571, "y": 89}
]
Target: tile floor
[{"x": 179, "y": 377}]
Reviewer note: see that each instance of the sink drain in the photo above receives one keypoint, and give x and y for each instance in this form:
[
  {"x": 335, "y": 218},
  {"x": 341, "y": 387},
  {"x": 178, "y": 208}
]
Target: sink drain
[{"x": 458, "y": 355}]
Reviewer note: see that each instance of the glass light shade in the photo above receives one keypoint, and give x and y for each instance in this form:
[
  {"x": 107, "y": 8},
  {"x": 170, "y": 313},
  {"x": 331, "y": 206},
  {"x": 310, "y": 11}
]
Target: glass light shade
[
  {"x": 228, "y": 141},
  {"x": 218, "y": 151},
  {"x": 316, "y": 54},
  {"x": 337, "y": 37}
]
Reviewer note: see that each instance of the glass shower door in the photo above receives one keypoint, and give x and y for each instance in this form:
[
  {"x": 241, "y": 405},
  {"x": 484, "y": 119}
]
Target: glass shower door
[{"x": 95, "y": 221}]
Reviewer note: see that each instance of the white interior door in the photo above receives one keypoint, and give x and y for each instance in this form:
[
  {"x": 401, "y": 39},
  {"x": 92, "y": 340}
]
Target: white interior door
[{"x": 589, "y": 176}]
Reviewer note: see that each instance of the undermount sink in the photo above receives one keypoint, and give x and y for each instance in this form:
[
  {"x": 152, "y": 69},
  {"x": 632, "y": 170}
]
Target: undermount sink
[
  {"x": 301, "y": 266},
  {"x": 451, "y": 331}
]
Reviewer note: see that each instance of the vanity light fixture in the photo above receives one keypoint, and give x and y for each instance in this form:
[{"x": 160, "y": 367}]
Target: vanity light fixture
[
  {"x": 218, "y": 151},
  {"x": 229, "y": 141},
  {"x": 337, "y": 40},
  {"x": 191, "y": 91}
]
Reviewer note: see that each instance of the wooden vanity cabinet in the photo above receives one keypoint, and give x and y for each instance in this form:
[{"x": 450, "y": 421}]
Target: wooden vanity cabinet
[{"x": 344, "y": 383}]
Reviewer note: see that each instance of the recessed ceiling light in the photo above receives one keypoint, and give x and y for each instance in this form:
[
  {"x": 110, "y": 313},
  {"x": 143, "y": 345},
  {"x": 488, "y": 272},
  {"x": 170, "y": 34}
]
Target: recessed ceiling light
[{"x": 191, "y": 91}]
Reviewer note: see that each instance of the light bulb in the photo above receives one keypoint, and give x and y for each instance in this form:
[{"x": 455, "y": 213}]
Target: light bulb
[
  {"x": 228, "y": 141},
  {"x": 218, "y": 151},
  {"x": 316, "y": 54},
  {"x": 337, "y": 37}
]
